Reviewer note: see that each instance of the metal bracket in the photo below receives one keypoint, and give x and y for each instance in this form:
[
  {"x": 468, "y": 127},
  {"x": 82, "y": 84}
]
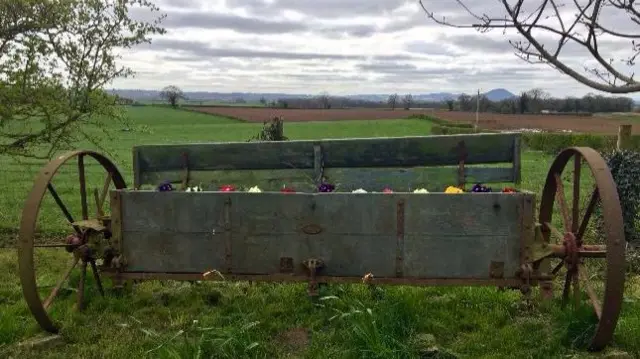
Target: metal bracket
[
  {"x": 185, "y": 166},
  {"x": 461, "y": 150},
  {"x": 313, "y": 265}
]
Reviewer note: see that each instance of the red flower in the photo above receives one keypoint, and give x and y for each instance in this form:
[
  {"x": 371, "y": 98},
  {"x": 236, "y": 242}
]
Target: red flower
[
  {"x": 387, "y": 190},
  {"x": 227, "y": 188},
  {"x": 509, "y": 190},
  {"x": 286, "y": 189}
]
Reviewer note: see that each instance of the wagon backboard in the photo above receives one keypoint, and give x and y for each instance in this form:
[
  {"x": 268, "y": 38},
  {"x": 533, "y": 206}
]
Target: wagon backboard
[{"x": 407, "y": 235}]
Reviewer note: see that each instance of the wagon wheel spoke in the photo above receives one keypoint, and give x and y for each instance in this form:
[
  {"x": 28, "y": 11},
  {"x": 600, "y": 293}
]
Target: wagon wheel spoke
[
  {"x": 587, "y": 214},
  {"x": 595, "y": 302},
  {"x": 83, "y": 187},
  {"x": 56, "y": 289},
  {"x": 566, "y": 288},
  {"x": 557, "y": 268},
  {"x": 83, "y": 277},
  {"x": 96, "y": 276},
  {"x": 575, "y": 215},
  {"x": 100, "y": 198},
  {"x": 562, "y": 201},
  {"x": 63, "y": 208}
]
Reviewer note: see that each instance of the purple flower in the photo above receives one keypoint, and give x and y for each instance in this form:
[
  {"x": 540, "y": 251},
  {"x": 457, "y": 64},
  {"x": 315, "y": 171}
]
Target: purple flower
[
  {"x": 165, "y": 187},
  {"x": 326, "y": 187},
  {"x": 478, "y": 187}
]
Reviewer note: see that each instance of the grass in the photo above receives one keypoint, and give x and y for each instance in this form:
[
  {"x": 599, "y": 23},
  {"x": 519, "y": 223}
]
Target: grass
[{"x": 237, "y": 320}]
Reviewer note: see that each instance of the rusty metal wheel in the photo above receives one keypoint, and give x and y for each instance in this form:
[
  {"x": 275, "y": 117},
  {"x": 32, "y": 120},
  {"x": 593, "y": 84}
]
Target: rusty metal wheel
[
  {"x": 586, "y": 239},
  {"x": 86, "y": 233}
]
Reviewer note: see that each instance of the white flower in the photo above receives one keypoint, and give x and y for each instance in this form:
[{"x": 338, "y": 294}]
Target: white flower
[
  {"x": 420, "y": 190},
  {"x": 194, "y": 189},
  {"x": 255, "y": 189},
  {"x": 359, "y": 190}
]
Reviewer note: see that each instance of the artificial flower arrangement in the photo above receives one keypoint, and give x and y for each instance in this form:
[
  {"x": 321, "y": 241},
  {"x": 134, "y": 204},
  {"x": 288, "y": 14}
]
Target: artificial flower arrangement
[{"x": 325, "y": 187}]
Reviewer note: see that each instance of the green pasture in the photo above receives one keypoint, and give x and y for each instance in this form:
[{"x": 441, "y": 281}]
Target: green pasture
[{"x": 258, "y": 320}]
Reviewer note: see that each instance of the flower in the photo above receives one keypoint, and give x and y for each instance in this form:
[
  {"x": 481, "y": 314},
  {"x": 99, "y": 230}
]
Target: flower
[
  {"x": 165, "y": 187},
  {"x": 227, "y": 188},
  {"x": 509, "y": 190},
  {"x": 420, "y": 190},
  {"x": 326, "y": 187},
  {"x": 452, "y": 189},
  {"x": 286, "y": 189},
  {"x": 194, "y": 189},
  {"x": 255, "y": 189},
  {"x": 478, "y": 187},
  {"x": 387, "y": 190},
  {"x": 359, "y": 190}
]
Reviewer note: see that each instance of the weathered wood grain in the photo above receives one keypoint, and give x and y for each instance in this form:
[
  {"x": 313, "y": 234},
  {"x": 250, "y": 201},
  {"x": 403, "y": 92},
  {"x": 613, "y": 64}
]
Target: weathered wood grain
[
  {"x": 335, "y": 153},
  {"x": 444, "y": 235}
]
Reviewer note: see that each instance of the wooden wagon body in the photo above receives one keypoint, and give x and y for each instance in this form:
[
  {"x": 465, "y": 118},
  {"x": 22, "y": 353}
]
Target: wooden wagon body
[{"x": 403, "y": 237}]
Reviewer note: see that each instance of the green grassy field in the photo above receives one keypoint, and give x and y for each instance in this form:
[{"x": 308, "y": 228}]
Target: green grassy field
[{"x": 237, "y": 320}]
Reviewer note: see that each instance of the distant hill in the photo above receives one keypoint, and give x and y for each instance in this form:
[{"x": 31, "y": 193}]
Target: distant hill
[
  {"x": 148, "y": 95},
  {"x": 499, "y": 95}
]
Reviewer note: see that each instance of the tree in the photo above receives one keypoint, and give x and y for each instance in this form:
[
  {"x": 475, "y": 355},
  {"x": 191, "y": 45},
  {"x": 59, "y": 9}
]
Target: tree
[
  {"x": 56, "y": 57},
  {"x": 263, "y": 101},
  {"x": 172, "y": 94},
  {"x": 407, "y": 100},
  {"x": 325, "y": 100},
  {"x": 450, "y": 104},
  {"x": 393, "y": 101},
  {"x": 582, "y": 23}
]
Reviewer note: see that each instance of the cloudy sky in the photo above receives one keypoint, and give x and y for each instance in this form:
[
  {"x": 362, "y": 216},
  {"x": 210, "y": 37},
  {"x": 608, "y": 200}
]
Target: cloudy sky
[{"x": 342, "y": 47}]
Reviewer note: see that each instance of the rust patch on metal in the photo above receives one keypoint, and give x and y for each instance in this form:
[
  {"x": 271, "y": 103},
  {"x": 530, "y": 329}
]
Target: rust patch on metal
[
  {"x": 400, "y": 238},
  {"x": 313, "y": 265},
  {"x": 311, "y": 228},
  {"x": 286, "y": 265},
  {"x": 496, "y": 269}
]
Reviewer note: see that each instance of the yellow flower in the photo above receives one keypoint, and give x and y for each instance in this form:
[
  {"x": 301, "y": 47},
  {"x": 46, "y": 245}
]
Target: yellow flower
[
  {"x": 255, "y": 189},
  {"x": 420, "y": 190},
  {"x": 452, "y": 189}
]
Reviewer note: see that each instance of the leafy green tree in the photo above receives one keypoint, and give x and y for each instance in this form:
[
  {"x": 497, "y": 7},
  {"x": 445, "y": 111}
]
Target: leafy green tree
[{"x": 56, "y": 57}]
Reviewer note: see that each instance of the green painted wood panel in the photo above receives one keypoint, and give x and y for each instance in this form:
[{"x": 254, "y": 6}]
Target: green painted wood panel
[
  {"x": 335, "y": 153},
  {"x": 442, "y": 236}
]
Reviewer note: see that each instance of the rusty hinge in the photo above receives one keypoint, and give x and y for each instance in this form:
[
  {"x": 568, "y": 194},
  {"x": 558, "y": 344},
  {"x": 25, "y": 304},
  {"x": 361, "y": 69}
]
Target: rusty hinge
[{"x": 286, "y": 265}]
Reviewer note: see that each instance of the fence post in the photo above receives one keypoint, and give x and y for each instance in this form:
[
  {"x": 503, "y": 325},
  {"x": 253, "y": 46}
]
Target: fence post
[{"x": 624, "y": 137}]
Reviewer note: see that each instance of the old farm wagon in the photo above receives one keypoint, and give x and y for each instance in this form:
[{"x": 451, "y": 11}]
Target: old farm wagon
[{"x": 308, "y": 225}]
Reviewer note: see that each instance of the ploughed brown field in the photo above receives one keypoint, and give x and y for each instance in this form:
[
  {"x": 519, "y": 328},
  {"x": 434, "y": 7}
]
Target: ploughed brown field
[{"x": 594, "y": 124}]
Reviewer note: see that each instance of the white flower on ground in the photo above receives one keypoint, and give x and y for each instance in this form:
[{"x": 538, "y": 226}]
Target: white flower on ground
[
  {"x": 359, "y": 190},
  {"x": 194, "y": 189},
  {"x": 420, "y": 190},
  {"x": 255, "y": 189}
]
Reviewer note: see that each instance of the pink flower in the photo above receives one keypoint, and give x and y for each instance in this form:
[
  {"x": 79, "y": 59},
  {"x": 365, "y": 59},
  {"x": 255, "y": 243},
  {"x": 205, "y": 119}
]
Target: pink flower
[{"x": 227, "y": 188}]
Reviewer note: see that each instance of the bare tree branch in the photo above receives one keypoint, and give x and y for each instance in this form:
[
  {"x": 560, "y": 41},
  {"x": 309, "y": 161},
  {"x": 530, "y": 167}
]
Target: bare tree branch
[{"x": 585, "y": 30}]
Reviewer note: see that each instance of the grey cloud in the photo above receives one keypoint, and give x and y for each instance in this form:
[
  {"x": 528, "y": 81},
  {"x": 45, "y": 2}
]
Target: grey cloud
[
  {"x": 325, "y": 9},
  {"x": 227, "y": 21},
  {"x": 429, "y": 48},
  {"x": 202, "y": 50}
]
